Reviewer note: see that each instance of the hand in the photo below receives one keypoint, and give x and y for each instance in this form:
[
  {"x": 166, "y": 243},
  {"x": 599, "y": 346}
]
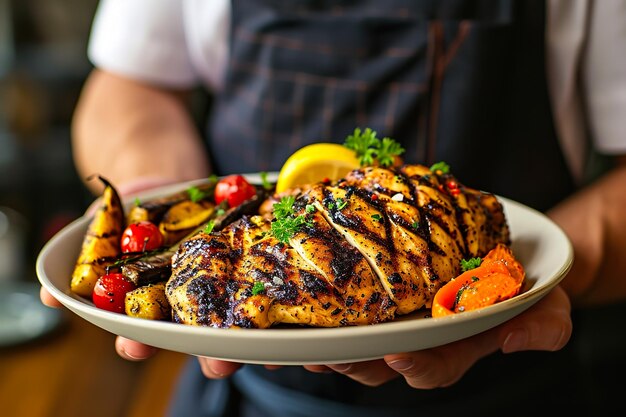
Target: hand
[{"x": 545, "y": 326}]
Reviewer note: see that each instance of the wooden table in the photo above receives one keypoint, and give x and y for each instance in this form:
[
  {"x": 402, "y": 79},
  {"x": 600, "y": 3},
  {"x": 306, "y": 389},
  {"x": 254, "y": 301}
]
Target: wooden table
[{"x": 75, "y": 372}]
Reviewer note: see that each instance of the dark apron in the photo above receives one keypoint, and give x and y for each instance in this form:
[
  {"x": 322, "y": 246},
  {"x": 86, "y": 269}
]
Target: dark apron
[{"x": 458, "y": 81}]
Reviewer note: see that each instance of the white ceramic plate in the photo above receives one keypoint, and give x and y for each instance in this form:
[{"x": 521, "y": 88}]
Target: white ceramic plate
[{"x": 539, "y": 244}]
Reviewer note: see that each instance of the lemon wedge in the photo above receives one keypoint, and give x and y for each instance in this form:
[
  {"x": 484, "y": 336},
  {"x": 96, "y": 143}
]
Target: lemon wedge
[{"x": 314, "y": 163}]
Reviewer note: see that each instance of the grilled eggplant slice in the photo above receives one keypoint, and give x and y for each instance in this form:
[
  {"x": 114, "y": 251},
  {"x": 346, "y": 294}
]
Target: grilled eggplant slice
[
  {"x": 101, "y": 244},
  {"x": 153, "y": 210}
]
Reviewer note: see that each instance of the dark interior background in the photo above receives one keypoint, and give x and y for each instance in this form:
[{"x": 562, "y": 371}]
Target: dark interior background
[{"x": 42, "y": 67}]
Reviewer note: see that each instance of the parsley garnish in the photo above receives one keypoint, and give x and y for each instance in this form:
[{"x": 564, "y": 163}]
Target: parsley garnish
[
  {"x": 258, "y": 288},
  {"x": 341, "y": 203},
  {"x": 377, "y": 217},
  {"x": 368, "y": 147},
  {"x": 440, "y": 166},
  {"x": 195, "y": 194},
  {"x": 137, "y": 202},
  {"x": 415, "y": 225},
  {"x": 467, "y": 264},
  {"x": 266, "y": 184},
  {"x": 209, "y": 227},
  {"x": 286, "y": 223},
  {"x": 284, "y": 207}
]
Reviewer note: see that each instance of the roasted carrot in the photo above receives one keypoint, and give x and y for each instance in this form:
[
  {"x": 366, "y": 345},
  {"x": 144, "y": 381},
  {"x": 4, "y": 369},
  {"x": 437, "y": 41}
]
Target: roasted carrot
[{"x": 499, "y": 277}]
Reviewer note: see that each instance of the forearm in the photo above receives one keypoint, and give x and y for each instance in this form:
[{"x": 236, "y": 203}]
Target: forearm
[
  {"x": 124, "y": 130},
  {"x": 595, "y": 221}
]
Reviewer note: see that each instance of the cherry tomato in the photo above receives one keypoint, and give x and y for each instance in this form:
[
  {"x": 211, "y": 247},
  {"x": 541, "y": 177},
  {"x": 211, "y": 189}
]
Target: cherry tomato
[
  {"x": 110, "y": 291},
  {"x": 140, "y": 237},
  {"x": 234, "y": 189}
]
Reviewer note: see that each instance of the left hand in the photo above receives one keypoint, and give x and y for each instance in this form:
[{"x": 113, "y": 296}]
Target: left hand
[{"x": 545, "y": 326}]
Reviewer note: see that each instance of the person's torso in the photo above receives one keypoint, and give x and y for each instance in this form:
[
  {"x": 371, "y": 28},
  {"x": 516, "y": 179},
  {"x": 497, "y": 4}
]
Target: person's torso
[{"x": 459, "y": 81}]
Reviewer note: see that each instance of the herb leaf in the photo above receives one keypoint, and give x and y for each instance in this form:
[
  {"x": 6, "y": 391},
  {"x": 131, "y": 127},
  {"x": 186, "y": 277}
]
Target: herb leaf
[
  {"x": 467, "y": 264},
  {"x": 265, "y": 182},
  {"x": 368, "y": 147},
  {"x": 195, "y": 194},
  {"x": 440, "y": 166},
  {"x": 209, "y": 227},
  {"x": 258, "y": 288},
  {"x": 286, "y": 223}
]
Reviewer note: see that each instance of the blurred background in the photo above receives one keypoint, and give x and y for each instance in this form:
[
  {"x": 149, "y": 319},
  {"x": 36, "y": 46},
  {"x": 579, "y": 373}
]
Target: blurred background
[{"x": 44, "y": 353}]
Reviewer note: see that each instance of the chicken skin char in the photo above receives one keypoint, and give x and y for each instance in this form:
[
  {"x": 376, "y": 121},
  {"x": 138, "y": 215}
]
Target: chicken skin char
[{"x": 379, "y": 244}]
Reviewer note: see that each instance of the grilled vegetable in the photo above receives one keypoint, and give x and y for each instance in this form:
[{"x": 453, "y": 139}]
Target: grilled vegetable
[
  {"x": 154, "y": 209},
  {"x": 157, "y": 267},
  {"x": 498, "y": 277},
  {"x": 141, "y": 237},
  {"x": 148, "y": 302},
  {"x": 110, "y": 291},
  {"x": 184, "y": 217},
  {"x": 101, "y": 244}
]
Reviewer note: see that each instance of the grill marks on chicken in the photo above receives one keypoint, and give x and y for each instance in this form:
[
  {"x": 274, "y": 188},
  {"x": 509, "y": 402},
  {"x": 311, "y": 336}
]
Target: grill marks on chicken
[
  {"x": 380, "y": 243},
  {"x": 214, "y": 277}
]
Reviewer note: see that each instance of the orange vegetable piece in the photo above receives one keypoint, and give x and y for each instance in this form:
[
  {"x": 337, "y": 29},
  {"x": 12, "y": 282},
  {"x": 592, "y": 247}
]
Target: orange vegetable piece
[{"x": 499, "y": 277}]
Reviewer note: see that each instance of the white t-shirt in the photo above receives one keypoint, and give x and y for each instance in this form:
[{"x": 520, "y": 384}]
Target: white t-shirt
[{"x": 180, "y": 44}]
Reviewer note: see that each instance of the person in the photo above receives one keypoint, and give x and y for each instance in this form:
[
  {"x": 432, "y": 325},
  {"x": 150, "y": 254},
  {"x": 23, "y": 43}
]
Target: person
[{"x": 515, "y": 96}]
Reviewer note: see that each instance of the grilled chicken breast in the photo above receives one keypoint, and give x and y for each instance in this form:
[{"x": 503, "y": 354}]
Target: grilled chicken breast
[{"x": 376, "y": 244}]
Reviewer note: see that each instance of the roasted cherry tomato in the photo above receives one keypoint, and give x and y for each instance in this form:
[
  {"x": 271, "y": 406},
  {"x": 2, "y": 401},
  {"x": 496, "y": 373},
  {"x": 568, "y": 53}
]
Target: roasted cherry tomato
[
  {"x": 140, "y": 237},
  {"x": 110, "y": 291},
  {"x": 234, "y": 189}
]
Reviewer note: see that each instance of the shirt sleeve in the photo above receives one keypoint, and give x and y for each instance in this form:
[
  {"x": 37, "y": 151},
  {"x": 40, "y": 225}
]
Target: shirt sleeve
[
  {"x": 144, "y": 40},
  {"x": 604, "y": 75}
]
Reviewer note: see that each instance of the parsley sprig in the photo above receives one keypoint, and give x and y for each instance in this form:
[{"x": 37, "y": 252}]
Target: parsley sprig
[
  {"x": 440, "y": 166},
  {"x": 369, "y": 148},
  {"x": 286, "y": 223},
  {"x": 467, "y": 264}
]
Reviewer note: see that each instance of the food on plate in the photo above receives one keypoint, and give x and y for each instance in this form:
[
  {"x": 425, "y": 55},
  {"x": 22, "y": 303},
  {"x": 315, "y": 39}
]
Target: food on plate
[
  {"x": 132, "y": 253},
  {"x": 110, "y": 290},
  {"x": 148, "y": 302},
  {"x": 314, "y": 163},
  {"x": 156, "y": 266},
  {"x": 234, "y": 189},
  {"x": 496, "y": 277},
  {"x": 154, "y": 209},
  {"x": 101, "y": 244},
  {"x": 141, "y": 236},
  {"x": 184, "y": 217},
  {"x": 331, "y": 161},
  {"x": 349, "y": 235},
  {"x": 373, "y": 245}
]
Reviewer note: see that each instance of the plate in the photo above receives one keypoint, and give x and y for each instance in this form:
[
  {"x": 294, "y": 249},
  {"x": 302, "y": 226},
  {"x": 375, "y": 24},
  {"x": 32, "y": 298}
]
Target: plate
[{"x": 538, "y": 243}]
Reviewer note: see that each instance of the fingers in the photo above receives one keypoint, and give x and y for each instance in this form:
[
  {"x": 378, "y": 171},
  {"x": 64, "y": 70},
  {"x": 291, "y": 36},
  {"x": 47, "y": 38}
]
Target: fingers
[
  {"x": 545, "y": 326},
  {"x": 370, "y": 373},
  {"x": 133, "y": 351},
  {"x": 48, "y": 299},
  {"x": 216, "y": 369}
]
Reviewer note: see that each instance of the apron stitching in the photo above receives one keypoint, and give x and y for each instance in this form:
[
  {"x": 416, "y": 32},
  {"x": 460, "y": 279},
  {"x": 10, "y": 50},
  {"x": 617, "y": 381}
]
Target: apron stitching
[
  {"x": 287, "y": 43},
  {"x": 298, "y": 110},
  {"x": 327, "y": 112},
  {"x": 442, "y": 57}
]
